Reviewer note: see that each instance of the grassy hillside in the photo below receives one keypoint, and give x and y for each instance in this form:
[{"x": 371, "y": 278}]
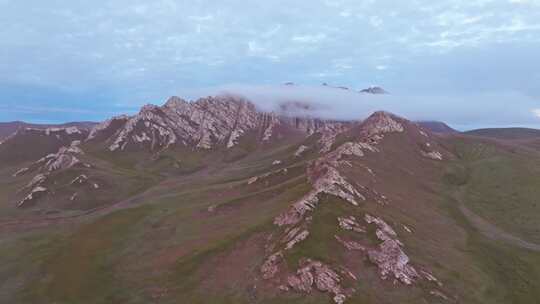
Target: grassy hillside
[
  {"x": 492, "y": 192},
  {"x": 200, "y": 236},
  {"x": 502, "y": 185},
  {"x": 506, "y": 133}
]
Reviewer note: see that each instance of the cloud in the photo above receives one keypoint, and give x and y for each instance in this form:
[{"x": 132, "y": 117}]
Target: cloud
[
  {"x": 468, "y": 112},
  {"x": 536, "y": 112},
  {"x": 148, "y": 50}
]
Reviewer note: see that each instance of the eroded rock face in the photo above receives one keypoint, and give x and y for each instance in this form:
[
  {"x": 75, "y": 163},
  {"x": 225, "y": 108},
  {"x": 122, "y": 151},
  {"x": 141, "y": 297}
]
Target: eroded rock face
[
  {"x": 270, "y": 122},
  {"x": 329, "y": 133},
  {"x": 207, "y": 123},
  {"x": 325, "y": 178},
  {"x": 148, "y": 127},
  {"x": 65, "y": 158},
  {"x": 204, "y": 124},
  {"x": 270, "y": 267},
  {"x": 321, "y": 276},
  {"x": 296, "y": 238},
  {"x": 324, "y": 174},
  {"x": 110, "y": 126},
  {"x": 389, "y": 256},
  {"x": 381, "y": 122}
]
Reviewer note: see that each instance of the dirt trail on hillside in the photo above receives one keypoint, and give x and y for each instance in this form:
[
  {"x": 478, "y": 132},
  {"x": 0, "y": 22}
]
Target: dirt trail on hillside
[{"x": 490, "y": 230}]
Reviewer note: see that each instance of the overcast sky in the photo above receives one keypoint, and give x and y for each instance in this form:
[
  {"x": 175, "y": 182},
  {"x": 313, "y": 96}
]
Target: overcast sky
[{"x": 470, "y": 63}]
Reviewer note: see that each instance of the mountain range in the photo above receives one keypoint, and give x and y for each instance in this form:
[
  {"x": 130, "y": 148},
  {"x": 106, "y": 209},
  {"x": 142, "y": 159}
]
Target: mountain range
[{"x": 216, "y": 201}]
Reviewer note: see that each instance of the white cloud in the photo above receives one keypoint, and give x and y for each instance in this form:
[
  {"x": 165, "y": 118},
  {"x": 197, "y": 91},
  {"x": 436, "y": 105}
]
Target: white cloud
[{"x": 536, "y": 112}]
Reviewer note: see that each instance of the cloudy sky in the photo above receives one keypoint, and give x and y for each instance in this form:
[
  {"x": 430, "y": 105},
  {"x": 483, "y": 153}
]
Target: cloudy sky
[{"x": 470, "y": 63}]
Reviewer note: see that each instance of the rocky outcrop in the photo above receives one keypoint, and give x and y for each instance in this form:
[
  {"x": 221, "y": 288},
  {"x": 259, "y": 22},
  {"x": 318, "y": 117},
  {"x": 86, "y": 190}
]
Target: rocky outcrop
[
  {"x": 66, "y": 134},
  {"x": 57, "y": 131},
  {"x": 300, "y": 150},
  {"x": 380, "y": 123},
  {"x": 294, "y": 237},
  {"x": 329, "y": 133},
  {"x": 320, "y": 276},
  {"x": 325, "y": 177},
  {"x": 65, "y": 158},
  {"x": 350, "y": 245},
  {"x": 350, "y": 223},
  {"x": 389, "y": 256},
  {"x": 34, "y": 194},
  {"x": 270, "y": 267},
  {"x": 149, "y": 127},
  {"x": 107, "y": 128},
  {"x": 79, "y": 180},
  {"x": 435, "y": 155},
  {"x": 255, "y": 179}
]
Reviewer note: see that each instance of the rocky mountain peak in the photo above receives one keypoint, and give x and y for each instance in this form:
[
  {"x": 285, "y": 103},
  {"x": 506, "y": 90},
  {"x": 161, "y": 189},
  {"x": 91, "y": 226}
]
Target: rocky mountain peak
[
  {"x": 108, "y": 126},
  {"x": 374, "y": 90},
  {"x": 382, "y": 122},
  {"x": 175, "y": 102},
  {"x": 223, "y": 120}
]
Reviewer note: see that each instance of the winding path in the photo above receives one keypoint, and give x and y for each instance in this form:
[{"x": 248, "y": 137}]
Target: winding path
[{"x": 490, "y": 230}]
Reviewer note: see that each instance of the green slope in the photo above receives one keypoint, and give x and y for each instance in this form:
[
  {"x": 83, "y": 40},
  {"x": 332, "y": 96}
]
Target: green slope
[{"x": 506, "y": 133}]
